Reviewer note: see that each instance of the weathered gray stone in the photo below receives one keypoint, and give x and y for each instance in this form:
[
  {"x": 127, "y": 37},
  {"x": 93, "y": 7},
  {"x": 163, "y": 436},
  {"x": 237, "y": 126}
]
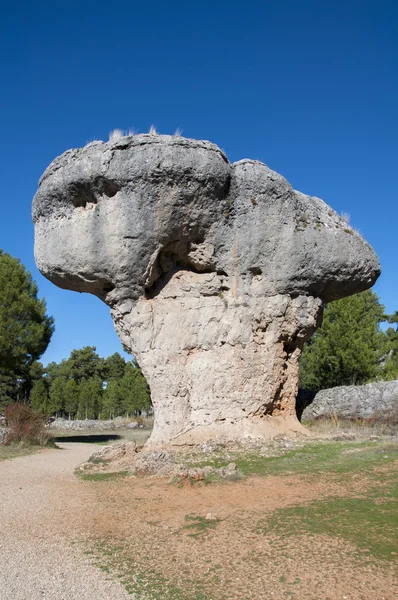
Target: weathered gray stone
[
  {"x": 80, "y": 425},
  {"x": 370, "y": 401},
  {"x": 215, "y": 274}
]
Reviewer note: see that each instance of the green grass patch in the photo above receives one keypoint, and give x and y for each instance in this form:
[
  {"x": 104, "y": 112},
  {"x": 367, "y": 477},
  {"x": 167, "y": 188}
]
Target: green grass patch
[
  {"x": 199, "y": 525},
  {"x": 102, "y": 476},
  {"x": 317, "y": 458},
  {"x": 97, "y": 461},
  {"x": 138, "y": 578},
  {"x": 369, "y": 521}
]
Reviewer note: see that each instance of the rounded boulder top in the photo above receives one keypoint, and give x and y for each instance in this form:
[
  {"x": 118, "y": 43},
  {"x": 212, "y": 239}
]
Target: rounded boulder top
[{"x": 114, "y": 218}]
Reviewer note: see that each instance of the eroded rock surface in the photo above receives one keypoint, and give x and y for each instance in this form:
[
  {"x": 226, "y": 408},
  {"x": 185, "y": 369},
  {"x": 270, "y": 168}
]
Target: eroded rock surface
[
  {"x": 378, "y": 401},
  {"x": 215, "y": 274}
]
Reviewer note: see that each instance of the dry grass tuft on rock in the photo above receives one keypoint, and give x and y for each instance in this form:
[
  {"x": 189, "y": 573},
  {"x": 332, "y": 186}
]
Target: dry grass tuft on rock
[{"x": 115, "y": 134}]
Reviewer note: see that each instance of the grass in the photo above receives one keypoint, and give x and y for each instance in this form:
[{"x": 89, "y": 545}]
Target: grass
[
  {"x": 16, "y": 451},
  {"x": 321, "y": 458},
  {"x": 357, "y": 428},
  {"x": 97, "y": 461},
  {"x": 115, "y": 134},
  {"x": 139, "y": 580},
  {"x": 102, "y": 476},
  {"x": 199, "y": 525},
  {"x": 368, "y": 522},
  {"x": 311, "y": 459}
]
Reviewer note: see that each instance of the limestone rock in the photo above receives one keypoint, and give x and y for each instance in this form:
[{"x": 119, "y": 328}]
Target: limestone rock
[
  {"x": 81, "y": 425},
  {"x": 111, "y": 459},
  {"x": 115, "y": 452},
  {"x": 215, "y": 274},
  {"x": 370, "y": 401}
]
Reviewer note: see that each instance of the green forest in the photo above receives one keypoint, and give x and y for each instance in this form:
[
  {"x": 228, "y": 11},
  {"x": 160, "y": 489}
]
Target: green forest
[
  {"x": 350, "y": 348},
  {"x": 81, "y": 386},
  {"x": 86, "y": 386}
]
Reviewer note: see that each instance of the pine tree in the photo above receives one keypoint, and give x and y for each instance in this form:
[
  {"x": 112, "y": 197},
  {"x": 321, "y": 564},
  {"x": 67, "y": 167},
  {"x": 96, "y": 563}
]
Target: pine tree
[
  {"x": 135, "y": 390},
  {"x": 39, "y": 398},
  {"x": 83, "y": 364},
  {"x": 112, "y": 402},
  {"x": 25, "y": 328},
  {"x": 71, "y": 398},
  {"x": 348, "y": 348},
  {"x": 90, "y": 392},
  {"x": 58, "y": 394},
  {"x": 390, "y": 362},
  {"x": 114, "y": 367}
]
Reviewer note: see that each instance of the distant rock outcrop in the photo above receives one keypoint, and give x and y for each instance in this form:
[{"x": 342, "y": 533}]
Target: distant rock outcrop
[
  {"x": 370, "y": 401},
  {"x": 215, "y": 274},
  {"x": 81, "y": 425}
]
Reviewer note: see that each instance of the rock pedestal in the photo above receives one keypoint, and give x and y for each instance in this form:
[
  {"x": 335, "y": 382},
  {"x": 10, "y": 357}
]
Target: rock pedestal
[{"x": 215, "y": 274}]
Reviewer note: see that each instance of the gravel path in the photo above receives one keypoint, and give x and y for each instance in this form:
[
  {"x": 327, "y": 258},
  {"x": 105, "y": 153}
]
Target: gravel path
[{"x": 45, "y": 512}]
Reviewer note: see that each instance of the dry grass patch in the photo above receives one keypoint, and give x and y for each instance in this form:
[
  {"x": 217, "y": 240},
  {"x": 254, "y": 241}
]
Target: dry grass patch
[{"x": 15, "y": 451}]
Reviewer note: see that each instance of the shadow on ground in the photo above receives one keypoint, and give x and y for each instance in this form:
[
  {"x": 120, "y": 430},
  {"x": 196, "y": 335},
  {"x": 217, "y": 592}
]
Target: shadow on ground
[{"x": 99, "y": 438}]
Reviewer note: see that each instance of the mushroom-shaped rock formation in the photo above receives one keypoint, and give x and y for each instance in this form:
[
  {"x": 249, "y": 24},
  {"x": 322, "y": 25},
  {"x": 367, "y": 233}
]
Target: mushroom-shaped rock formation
[{"x": 215, "y": 274}]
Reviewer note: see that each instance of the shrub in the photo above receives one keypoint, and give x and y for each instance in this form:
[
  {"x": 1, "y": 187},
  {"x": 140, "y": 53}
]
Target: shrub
[{"x": 25, "y": 426}]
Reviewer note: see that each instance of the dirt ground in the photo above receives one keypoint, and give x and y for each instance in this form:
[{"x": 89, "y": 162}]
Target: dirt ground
[
  {"x": 166, "y": 541},
  {"x": 208, "y": 542},
  {"x": 44, "y": 510}
]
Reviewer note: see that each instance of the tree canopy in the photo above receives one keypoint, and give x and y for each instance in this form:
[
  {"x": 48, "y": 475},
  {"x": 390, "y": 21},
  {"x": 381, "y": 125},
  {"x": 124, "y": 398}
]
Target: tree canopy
[
  {"x": 25, "y": 328},
  {"x": 349, "y": 347},
  {"x": 88, "y": 386},
  {"x": 390, "y": 362}
]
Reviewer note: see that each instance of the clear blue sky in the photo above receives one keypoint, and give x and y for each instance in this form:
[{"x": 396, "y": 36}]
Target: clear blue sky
[{"x": 308, "y": 87}]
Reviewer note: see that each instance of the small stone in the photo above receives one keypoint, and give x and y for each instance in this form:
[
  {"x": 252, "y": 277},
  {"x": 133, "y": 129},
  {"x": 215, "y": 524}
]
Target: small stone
[{"x": 210, "y": 517}]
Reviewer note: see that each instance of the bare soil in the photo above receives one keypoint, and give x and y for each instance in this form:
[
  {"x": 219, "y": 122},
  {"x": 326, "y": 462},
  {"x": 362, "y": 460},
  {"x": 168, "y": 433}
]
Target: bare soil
[
  {"x": 153, "y": 523},
  {"x": 62, "y": 537}
]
